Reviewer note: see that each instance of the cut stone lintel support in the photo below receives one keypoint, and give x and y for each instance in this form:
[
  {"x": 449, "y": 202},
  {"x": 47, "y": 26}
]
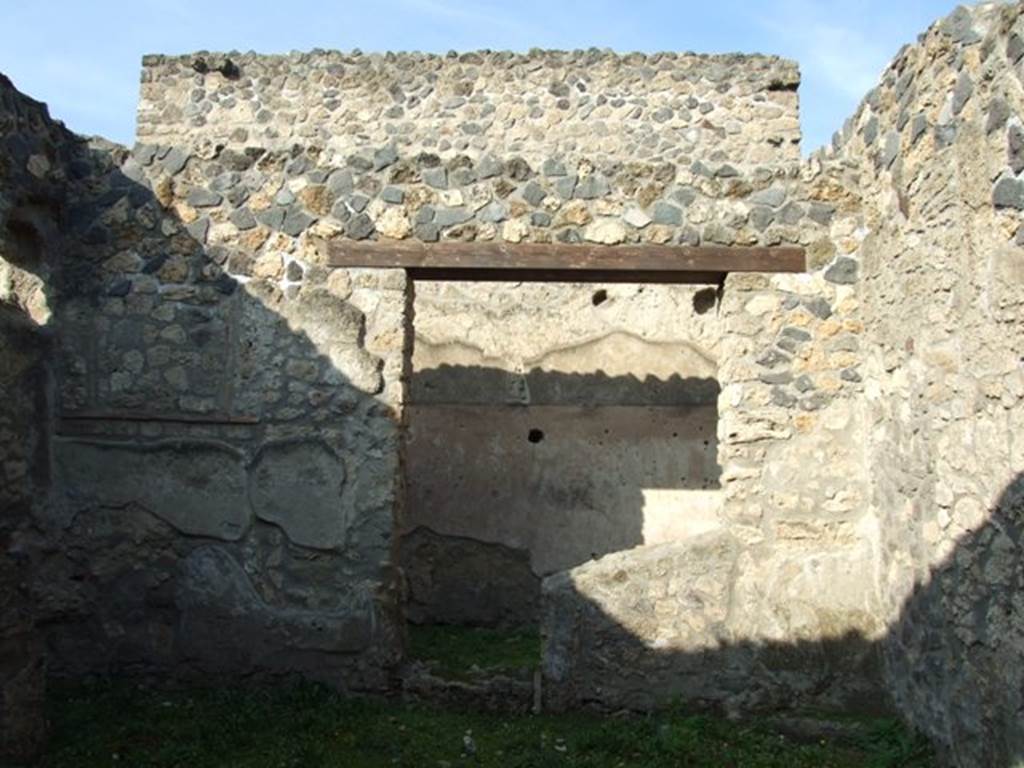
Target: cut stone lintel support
[{"x": 562, "y": 262}]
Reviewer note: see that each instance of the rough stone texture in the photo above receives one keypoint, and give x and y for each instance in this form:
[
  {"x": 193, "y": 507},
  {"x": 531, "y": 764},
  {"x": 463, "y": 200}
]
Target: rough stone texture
[
  {"x": 358, "y": 105},
  {"x": 867, "y": 529},
  {"x": 31, "y": 192},
  {"x": 715, "y": 602},
  {"x": 941, "y": 299},
  {"x": 225, "y": 431}
]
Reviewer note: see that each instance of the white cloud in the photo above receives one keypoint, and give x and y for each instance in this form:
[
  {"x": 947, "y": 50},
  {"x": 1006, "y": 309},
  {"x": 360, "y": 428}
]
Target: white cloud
[{"x": 846, "y": 58}]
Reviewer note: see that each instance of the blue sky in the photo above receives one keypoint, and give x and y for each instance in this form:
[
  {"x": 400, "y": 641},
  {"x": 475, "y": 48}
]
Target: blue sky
[{"x": 82, "y": 57}]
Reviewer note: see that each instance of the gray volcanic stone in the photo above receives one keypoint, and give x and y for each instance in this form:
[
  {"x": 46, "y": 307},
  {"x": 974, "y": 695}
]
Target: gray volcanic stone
[
  {"x": 1008, "y": 193},
  {"x": 518, "y": 169},
  {"x": 791, "y": 213},
  {"x": 341, "y": 211},
  {"x": 358, "y": 203},
  {"x": 424, "y": 214},
  {"x": 820, "y": 213},
  {"x": 565, "y": 186},
  {"x": 591, "y": 187},
  {"x": 447, "y": 217},
  {"x": 804, "y": 383},
  {"x": 818, "y": 307},
  {"x": 1015, "y": 148},
  {"x": 797, "y": 334},
  {"x": 815, "y": 402},
  {"x": 689, "y": 236},
  {"x": 340, "y": 182},
  {"x": 773, "y": 196},
  {"x": 543, "y": 219},
  {"x": 1015, "y": 48},
  {"x": 174, "y": 161},
  {"x": 552, "y": 168},
  {"x": 684, "y": 195},
  {"x": 962, "y": 92},
  {"x": 204, "y": 198},
  {"x": 534, "y": 193},
  {"x": 666, "y": 213},
  {"x": 461, "y": 177},
  {"x": 144, "y": 153},
  {"x": 359, "y": 227},
  {"x": 427, "y": 232},
  {"x": 777, "y": 378},
  {"x": 842, "y": 271},
  {"x": 384, "y": 157},
  {"x": 959, "y": 26},
  {"x": 199, "y": 228},
  {"x": 771, "y": 358},
  {"x": 243, "y": 219},
  {"x": 998, "y": 114},
  {"x": 782, "y": 398},
  {"x": 272, "y": 217},
  {"x": 918, "y": 127},
  {"x": 360, "y": 163},
  {"x": 392, "y": 195},
  {"x": 493, "y": 212},
  {"x": 488, "y": 167},
  {"x": 296, "y": 221},
  {"x": 761, "y": 217},
  {"x": 435, "y": 177},
  {"x": 891, "y": 149},
  {"x": 871, "y": 131}
]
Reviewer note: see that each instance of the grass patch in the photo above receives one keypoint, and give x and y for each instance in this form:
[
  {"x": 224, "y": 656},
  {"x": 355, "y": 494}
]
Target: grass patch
[
  {"x": 458, "y": 652},
  {"x": 312, "y": 727}
]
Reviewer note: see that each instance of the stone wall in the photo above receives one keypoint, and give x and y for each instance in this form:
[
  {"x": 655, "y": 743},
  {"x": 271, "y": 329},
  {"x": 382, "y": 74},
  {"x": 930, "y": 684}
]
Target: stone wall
[
  {"x": 935, "y": 153},
  {"x": 461, "y": 149},
  {"x": 771, "y": 609},
  {"x": 203, "y": 442},
  {"x": 31, "y": 183},
  {"x": 664, "y": 107},
  {"x": 225, "y": 449}
]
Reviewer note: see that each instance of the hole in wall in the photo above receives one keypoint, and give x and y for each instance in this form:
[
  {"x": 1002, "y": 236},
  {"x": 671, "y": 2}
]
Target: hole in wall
[
  {"x": 704, "y": 300},
  {"x": 600, "y": 297},
  {"x": 535, "y": 435}
]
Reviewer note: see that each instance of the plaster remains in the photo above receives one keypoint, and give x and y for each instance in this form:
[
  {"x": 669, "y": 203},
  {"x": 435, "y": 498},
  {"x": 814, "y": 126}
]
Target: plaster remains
[{"x": 225, "y": 456}]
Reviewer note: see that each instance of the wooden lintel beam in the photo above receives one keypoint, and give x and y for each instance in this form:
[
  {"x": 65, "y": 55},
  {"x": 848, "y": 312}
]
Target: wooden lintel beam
[
  {"x": 558, "y": 258},
  {"x": 474, "y": 275}
]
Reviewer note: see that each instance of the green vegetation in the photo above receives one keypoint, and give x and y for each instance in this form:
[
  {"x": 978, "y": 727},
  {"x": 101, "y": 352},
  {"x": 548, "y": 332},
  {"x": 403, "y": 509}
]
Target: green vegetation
[
  {"x": 312, "y": 727},
  {"x": 458, "y": 652}
]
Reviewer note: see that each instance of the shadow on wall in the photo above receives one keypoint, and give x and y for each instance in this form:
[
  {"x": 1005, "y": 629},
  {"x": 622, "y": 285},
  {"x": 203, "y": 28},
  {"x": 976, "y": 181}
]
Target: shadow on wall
[
  {"x": 500, "y": 495},
  {"x": 945, "y": 657},
  {"x": 225, "y": 472},
  {"x": 23, "y": 469},
  {"x": 236, "y": 519}
]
